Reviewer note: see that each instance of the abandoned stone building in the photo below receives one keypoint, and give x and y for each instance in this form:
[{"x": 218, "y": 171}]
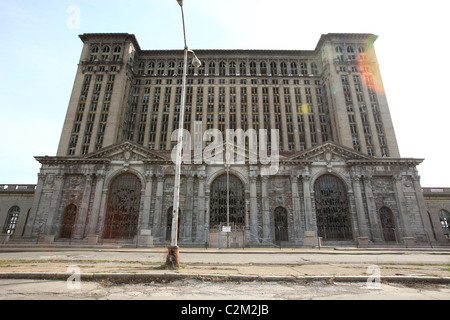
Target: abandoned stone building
[{"x": 339, "y": 176}]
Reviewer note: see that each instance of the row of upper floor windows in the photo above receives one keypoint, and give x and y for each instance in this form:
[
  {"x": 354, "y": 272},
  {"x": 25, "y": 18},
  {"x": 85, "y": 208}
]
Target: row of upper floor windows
[{"x": 229, "y": 68}]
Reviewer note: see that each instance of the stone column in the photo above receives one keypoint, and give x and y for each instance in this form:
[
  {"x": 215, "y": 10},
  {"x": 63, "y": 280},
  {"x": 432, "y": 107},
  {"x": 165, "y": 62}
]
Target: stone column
[
  {"x": 310, "y": 221},
  {"x": 201, "y": 209},
  {"x": 401, "y": 205},
  {"x": 145, "y": 222},
  {"x": 102, "y": 212},
  {"x": 360, "y": 213},
  {"x": 265, "y": 209},
  {"x": 54, "y": 205},
  {"x": 158, "y": 206},
  {"x": 188, "y": 207},
  {"x": 207, "y": 213},
  {"x": 375, "y": 226},
  {"x": 422, "y": 208},
  {"x": 80, "y": 225},
  {"x": 253, "y": 209},
  {"x": 30, "y": 227},
  {"x": 296, "y": 208},
  {"x": 93, "y": 220}
]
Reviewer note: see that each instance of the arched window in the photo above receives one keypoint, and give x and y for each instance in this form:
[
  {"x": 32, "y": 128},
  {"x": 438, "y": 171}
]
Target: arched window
[
  {"x": 350, "y": 49},
  {"x": 444, "y": 216},
  {"x": 243, "y": 68},
  {"x": 294, "y": 69},
  {"x": 191, "y": 69},
  {"x": 151, "y": 68},
  {"x": 253, "y": 68},
  {"x": 304, "y": 68},
  {"x": 212, "y": 68},
  {"x": 94, "y": 49},
  {"x": 222, "y": 68},
  {"x": 273, "y": 68},
  {"x": 339, "y": 49},
  {"x": 106, "y": 49},
  {"x": 11, "y": 220},
  {"x": 117, "y": 49},
  {"x": 332, "y": 209},
  {"x": 283, "y": 66},
  {"x": 263, "y": 68},
  {"x": 161, "y": 66},
  {"x": 232, "y": 68},
  {"x": 314, "y": 69},
  {"x": 171, "y": 70}
]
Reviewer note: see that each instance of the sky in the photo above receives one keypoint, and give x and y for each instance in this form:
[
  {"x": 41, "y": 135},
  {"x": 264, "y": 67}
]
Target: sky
[{"x": 40, "y": 51}]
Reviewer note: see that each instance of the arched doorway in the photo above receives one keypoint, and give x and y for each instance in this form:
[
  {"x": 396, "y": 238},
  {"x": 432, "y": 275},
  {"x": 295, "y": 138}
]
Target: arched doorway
[
  {"x": 387, "y": 224},
  {"x": 122, "y": 211},
  {"x": 332, "y": 209},
  {"x": 69, "y": 221},
  {"x": 281, "y": 224},
  {"x": 169, "y": 223},
  {"x": 227, "y": 199}
]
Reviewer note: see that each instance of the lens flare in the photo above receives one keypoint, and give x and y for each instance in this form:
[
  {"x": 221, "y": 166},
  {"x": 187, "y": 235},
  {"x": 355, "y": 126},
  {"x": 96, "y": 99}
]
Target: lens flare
[
  {"x": 367, "y": 67},
  {"x": 304, "y": 109}
]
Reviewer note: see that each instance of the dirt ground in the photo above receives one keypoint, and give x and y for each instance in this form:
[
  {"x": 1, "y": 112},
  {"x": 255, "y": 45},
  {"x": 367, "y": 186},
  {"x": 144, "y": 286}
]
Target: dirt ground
[{"x": 335, "y": 269}]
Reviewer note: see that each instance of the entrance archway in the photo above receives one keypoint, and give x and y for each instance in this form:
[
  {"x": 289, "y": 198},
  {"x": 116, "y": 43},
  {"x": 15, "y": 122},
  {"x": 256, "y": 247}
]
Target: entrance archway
[
  {"x": 69, "y": 221},
  {"x": 219, "y": 204},
  {"x": 122, "y": 213},
  {"x": 332, "y": 209},
  {"x": 281, "y": 224},
  {"x": 387, "y": 224}
]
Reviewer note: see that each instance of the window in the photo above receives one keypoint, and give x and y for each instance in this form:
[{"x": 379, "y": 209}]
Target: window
[
  {"x": 243, "y": 68},
  {"x": 444, "y": 216},
  {"x": 11, "y": 220}
]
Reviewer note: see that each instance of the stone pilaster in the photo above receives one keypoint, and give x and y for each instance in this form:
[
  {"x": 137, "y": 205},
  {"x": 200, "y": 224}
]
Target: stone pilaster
[
  {"x": 94, "y": 218},
  {"x": 82, "y": 215},
  {"x": 360, "y": 212}
]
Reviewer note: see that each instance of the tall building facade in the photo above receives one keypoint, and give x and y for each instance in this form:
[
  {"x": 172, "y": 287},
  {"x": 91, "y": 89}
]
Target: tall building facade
[{"x": 338, "y": 174}]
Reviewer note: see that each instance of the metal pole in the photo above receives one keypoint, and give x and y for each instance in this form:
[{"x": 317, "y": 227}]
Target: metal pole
[
  {"x": 173, "y": 250},
  {"x": 228, "y": 203}
]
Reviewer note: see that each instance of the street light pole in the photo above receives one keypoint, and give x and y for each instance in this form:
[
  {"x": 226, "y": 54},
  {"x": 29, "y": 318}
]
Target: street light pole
[{"x": 173, "y": 257}]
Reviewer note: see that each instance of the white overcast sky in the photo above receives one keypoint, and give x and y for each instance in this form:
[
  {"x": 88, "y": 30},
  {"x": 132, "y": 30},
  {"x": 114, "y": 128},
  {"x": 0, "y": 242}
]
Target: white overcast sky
[{"x": 39, "y": 56}]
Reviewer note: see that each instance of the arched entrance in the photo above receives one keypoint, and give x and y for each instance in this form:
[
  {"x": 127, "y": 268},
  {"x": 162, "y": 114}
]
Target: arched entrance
[
  {"x": 387, "y": 224},
  {"x": 227, "y": 203},
  {"x": 69, "y": 221},
  {"x": 332, "y": 209},
  {"x": 122, "y": 211},
  {"x": 223, "y": 206},
  {"x": 281, "y": 224}
]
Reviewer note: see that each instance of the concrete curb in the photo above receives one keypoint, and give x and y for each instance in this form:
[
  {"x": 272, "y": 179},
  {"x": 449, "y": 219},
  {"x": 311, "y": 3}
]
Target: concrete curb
[{"x": 134, "y": 278}]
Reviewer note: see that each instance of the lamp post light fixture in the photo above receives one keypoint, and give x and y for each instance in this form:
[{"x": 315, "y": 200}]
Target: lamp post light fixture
[{"x": 173, "y": 257}]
